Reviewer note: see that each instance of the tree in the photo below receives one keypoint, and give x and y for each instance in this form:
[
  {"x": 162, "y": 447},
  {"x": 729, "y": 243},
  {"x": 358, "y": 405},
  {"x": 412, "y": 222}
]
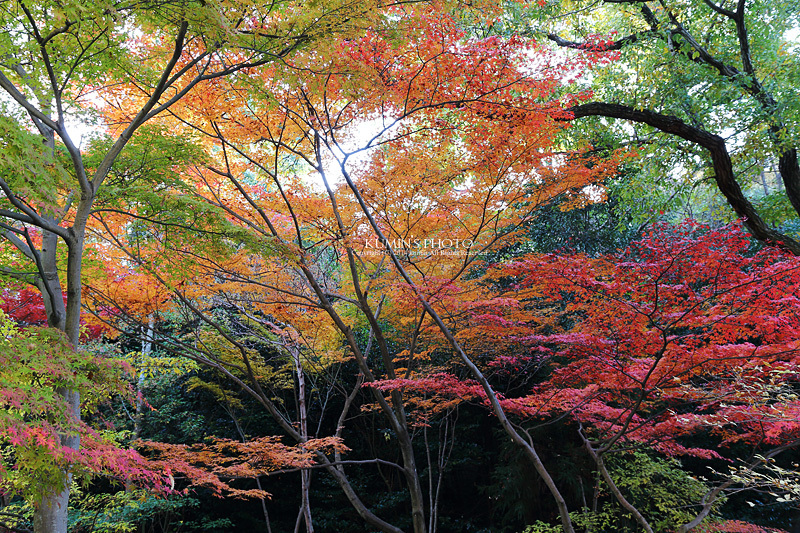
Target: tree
[
  {"x": 688, "y": 332},
  {"x": 37, "y": 363},
  {"x": 720, "y": 76},
  {"x": 463, "y": 150},
  {"x": 55, "y": 55}
]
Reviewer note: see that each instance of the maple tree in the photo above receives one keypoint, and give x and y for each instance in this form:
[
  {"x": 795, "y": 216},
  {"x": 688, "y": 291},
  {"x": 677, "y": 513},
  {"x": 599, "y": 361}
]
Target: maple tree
[
  {"x": 688, "y": 332},
  {"x": 36, "y": 363},
  {"x": 292, "y": 208},
  {"x": 464, "y": 150},
  {"x": 56, "y": 56}
]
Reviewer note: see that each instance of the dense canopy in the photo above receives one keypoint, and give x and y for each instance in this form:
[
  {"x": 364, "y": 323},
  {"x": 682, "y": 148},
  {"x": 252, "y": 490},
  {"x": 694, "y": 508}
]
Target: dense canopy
[{"x": 424, "y": 266}]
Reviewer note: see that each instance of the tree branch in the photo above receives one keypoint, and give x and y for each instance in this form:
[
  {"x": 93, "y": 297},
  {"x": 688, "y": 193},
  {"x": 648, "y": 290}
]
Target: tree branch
[
  {"x": 619, "y": 44},
  {"x": 143, "y": 114},
  {"x": 715, "y": 145},
  {"x": 713, "y": 495},
  {"x": 18, "y": 97},
  {"x": 719, "y": 9},
  {"x": 28, "y": 215}
]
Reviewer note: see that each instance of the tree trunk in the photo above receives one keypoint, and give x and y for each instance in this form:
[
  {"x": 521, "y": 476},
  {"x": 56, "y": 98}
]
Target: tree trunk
[
  {"x": 147, "y": 349},
  {"x": 305, "y": 475},
  {"x": 50, "y": 515},
  {"x": 491, "y": 397}
]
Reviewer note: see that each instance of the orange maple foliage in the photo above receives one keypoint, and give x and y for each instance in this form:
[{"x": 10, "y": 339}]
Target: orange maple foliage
[
  {"x": 218, "y": 464},
  {"x": 459, "y": 142},
  {"x": 443, "y": 142}
]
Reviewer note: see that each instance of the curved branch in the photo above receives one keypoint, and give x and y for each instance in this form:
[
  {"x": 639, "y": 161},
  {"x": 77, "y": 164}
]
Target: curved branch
[
  {"x": 720, "y": 158},
  {"x": 619, "y": 44},
  {"x": 719, "y": 9},
  {"x": 746, "y": 79}
]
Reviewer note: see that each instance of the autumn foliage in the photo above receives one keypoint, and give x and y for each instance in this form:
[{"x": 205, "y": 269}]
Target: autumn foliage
[
  {"x": 688, "y": 336},
  {"x": 218, "y": 465},
  {"x": 688, "y": 331},
  {"x": 334, "y": 231},
  {"x": 36, "y": 364}
]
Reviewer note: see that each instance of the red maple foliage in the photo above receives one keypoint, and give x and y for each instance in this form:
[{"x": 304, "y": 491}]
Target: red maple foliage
[
  {"x": 687, "y": 331},
  {"x": 26, "y": 307}
]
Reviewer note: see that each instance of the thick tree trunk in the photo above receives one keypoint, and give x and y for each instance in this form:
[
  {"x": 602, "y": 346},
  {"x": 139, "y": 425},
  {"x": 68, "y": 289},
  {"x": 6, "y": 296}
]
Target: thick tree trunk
[
  {"x": 789, "y": 169},
  {"x": 51, "y": 514}
]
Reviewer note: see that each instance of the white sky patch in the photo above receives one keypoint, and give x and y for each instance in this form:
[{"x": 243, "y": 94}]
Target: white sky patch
[
  {"x": 793, "y": 39},
  {"x": 80, "y": 132},
  {"x": 595, "y": 193},
  {"x": 359, "y": 140},
  {"x": 77, "y": 129}
]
